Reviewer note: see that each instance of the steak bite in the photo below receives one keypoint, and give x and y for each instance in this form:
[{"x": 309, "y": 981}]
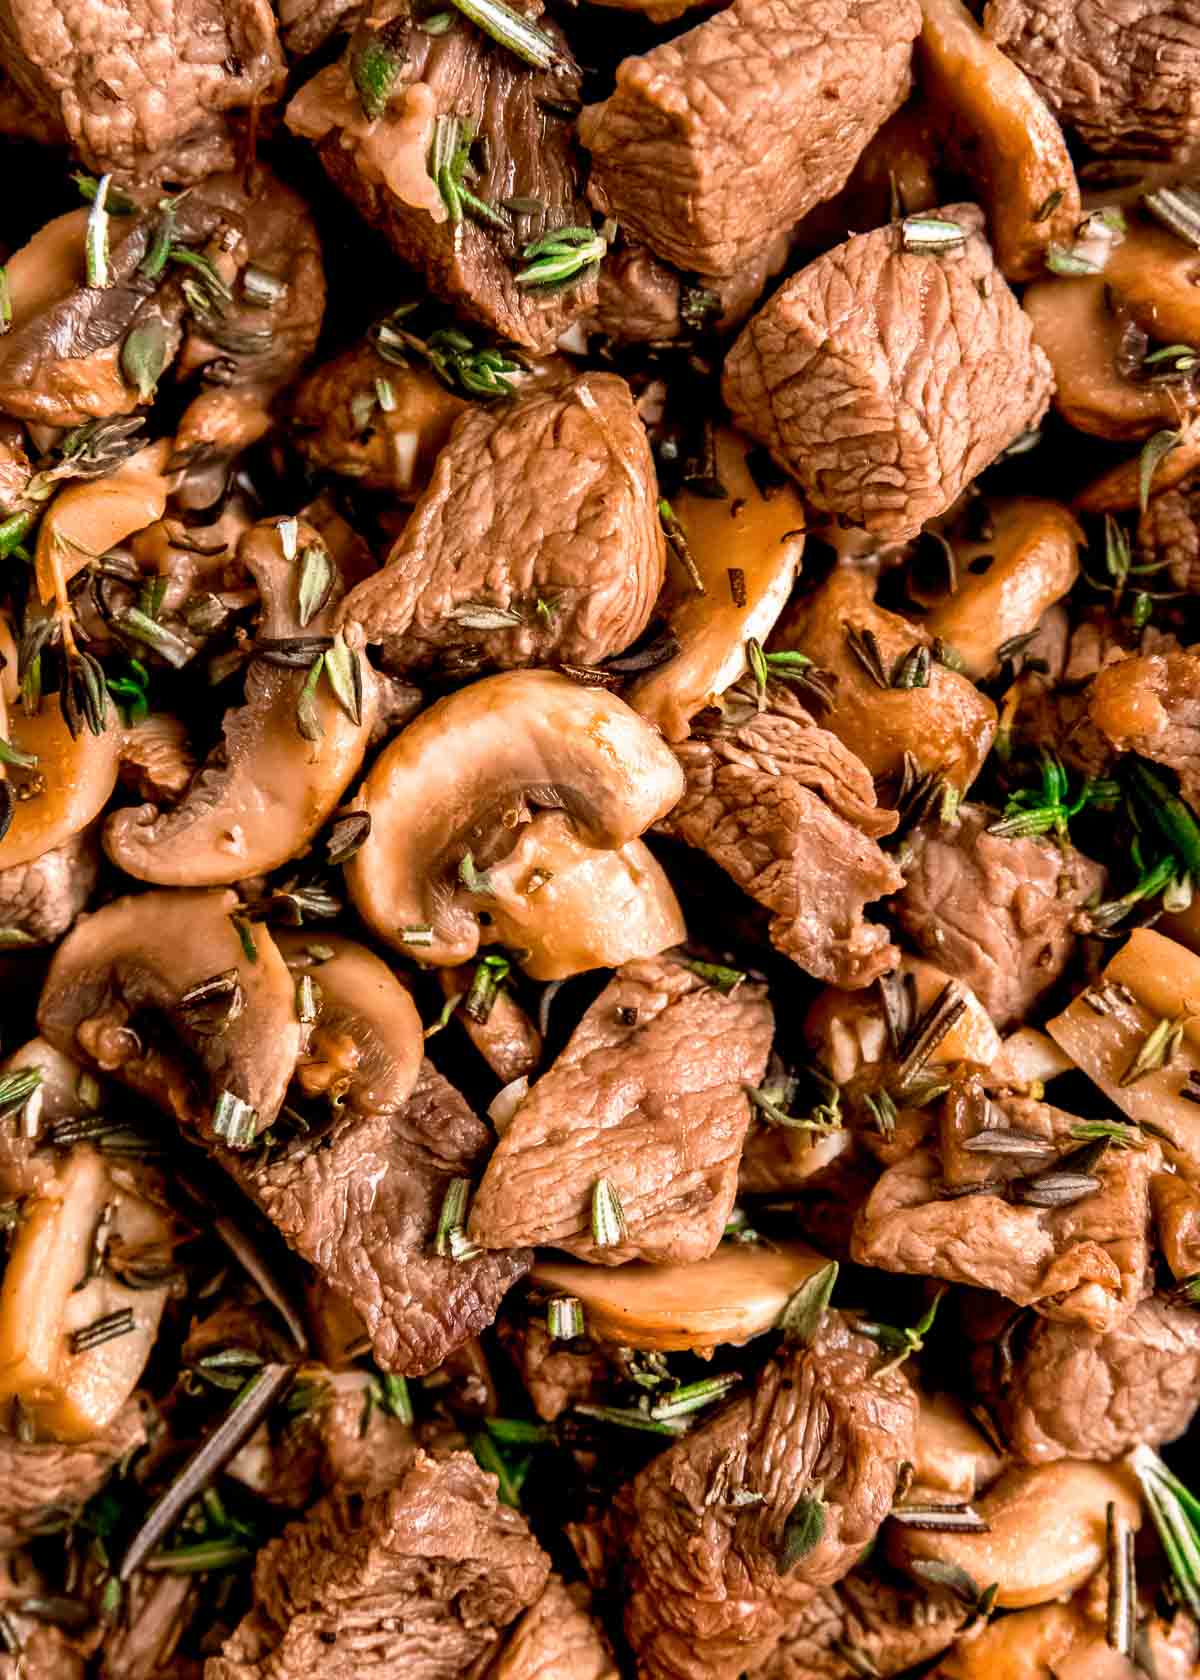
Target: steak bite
[
  {"x": 649, "y": 1096},
  {"x": 557, "y": 1638},
  {"x": 713, "y": 142},
  {"x": 419, "y": 1582},
  {"x": 1064, "y": 1391},
  {"x": 885, "y": 377},
  {"x": 38, "y": 1479},
  {"x": 517, "y": 126},
  {"x": 538, "y": 539},
  {"x": 715, "y": 1566},
  {"x": 790, "y": 814},
  {"x": 873, "y": 1622},
  {"x": 144, "y": 90},
  {"x": 1125, "y": 77},
  {"x": 1000, "y": 914},
  {"x": 41, "y": 899},
  {"x": 1151, "y": 705}
]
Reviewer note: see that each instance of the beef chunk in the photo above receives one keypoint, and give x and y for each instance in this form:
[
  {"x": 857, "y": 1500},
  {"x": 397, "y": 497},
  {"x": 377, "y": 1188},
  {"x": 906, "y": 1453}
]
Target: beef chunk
[
  {"x": 537, "y": 538},
  {"x": 555, "y": 1376},
  {"x": 713, "y": 142},
  {"x": 414, "y": 1584},
  {"x": 1063, "y": 1391},
  {"x": 1124, "y": 77},
  {"x": 362, "y": 1204},
  {"x": 870, "y": 1623},
  {"x": 886, "y": 379},
  {"x": 144, "y": 90},
  {"x": 556, "y": 1639},
  {"x": 38, "y": 1478},
  {"x": 790, "y": 814},
  {"x": 1175, "y": 1199},
  {"x": 1151, "y": 705},
  {"x": 524, "y": 150},
  {"x": 42, "y": 899},
  {"x": 46, "y": 1654},
  {"x": 643, "y": 300},
  {"x": 649, "y": 1094},
  {"x": 998, "y": 914},
  {"x": 710, "y": 1587},
  {"x": 1169, "y": 531},
  {"x": 308, "y": 24},
  {"x": 362, "y": 1446},
  {"x": 1084, "y": 1262}
]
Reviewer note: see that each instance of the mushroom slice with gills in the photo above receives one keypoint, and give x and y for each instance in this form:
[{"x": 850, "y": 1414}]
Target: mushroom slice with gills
[
  {"x": 1154, "y": 274},
  {"x": 848, "y": 1031},
  {"x": 161, "y": 993},
  {"x": 1006, "y": 581},
  {"x": 366, "y": 1048},
  {"x": 270, "y": 787},
  {"x": 446, "y": 795},
  {"x": 1063, "y": 1640},
  {"x": 1135, "y": 1032},
  {"x": 565, "y": 907},
  {"x": 1121, "y": 488},
  {"x": 1014, "y": 152},
  {"x": 737, "y": 1293},
  {"x": 746, "y": 549},
  {"x": 85, "y": 521},
  {"x": 1046, "y": 1531},
  {"x": 953, "y": 1459},
  {"x": 75, "y": 1337},
  {"x": 67, "y": 785},
  {"x": 1083, "y": 335},
  {"x": 945, "y": 728}
]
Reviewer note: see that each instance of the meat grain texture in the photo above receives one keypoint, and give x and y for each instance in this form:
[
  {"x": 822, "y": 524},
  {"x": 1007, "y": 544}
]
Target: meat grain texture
[
  {"x": 709, "y": 1587},
  {"x": 41, "y": 1477},
  {"x": 417, "y": 1583},
  {"x": 141, "y": 88},
  {"x": 1169, "y": 531},
  {"x": 790, "y": 814},
  {"x": 999, "y": 914},
  {"x": 40, "y": 900},
  {"x": 362, "y": 1207},
  {"x": 556, "y": 1639},
  {"x": 869, "y": 1618},
  {"x": 1123, "y": 74},
  {"x": 1150, "y": 705},
  {"x": 713, "y": 142},
  {"x": 649, "y": 1094},
  {"x": 1064, "y": 1391},
  {"x": 542, "y": 512},
  {"x": 886, "y": 379}
]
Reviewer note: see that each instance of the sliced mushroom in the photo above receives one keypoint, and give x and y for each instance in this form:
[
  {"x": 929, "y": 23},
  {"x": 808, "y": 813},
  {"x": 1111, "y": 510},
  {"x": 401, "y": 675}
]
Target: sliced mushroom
[
  {"x": 1120, "y": 488},
  {"x": 121, "y": 996},
  {"x": 287, "y": 756},
  {"x": 1046, "y": 1531},
  {"x": 65, "y": 789},
  {"x": 366, "y": 1048},
  {"x": 848, "y": 1030},
  {"x": 1156, "y": 276},
  {"x": 953, "y": 1459},
  {"x": 85, "y": 521},
  {"x": 738, "y": 1292},
  {"x": 1006, "y": 581},
  {"x": 746, "y": 548},
  {"x": 446, "y": 796},
  {"x": 47, "y": 267},
  {"x": 1063, "y": 1640},
  {"x": 947, "y": 726},
  {"x": 565, "y": 907},
  {"x": 1017, "y": 155}
]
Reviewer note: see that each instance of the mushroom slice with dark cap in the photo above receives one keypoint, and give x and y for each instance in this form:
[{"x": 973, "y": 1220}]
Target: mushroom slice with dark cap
[
  {"x": 448, "y": 797},
  {"x": 161, "y": 992},
  {"x": 288, "y": 752}
]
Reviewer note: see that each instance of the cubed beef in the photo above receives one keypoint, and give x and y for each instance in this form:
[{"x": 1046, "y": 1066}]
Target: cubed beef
[
  {"x": 1169, "y": 531},
  {"x": 42, "y": 899},
  {"x": 717, "y": 140},
  {"x": 1151, "y": 705},
  {"x": 43, "y": 1479},
  {"x": 648, "y": 1094},
  {"x": 643, "y": 300},
  {"x": 886, "y": 378},
  {"x": 871, "y": 1623},
  {"x": 557, "y": 1638},
  {"x": 538, "y": 539},
  {"x": 556, "y": 1375}
]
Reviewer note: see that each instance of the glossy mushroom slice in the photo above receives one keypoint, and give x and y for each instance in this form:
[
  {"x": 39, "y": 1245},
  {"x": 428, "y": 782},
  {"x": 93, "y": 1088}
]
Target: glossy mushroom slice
[
  {"x": 1017, "y": 156},
  {"x": 736, "y": 1294},
  {"x": 87, "y": 520},
  {"x": 64, "y": 783},
  {"x": 288, "y": 752},
  {"x": 161, "y": 992},
  {"x": 745, "y": 548},
  {"x": 450, "y": 793}
]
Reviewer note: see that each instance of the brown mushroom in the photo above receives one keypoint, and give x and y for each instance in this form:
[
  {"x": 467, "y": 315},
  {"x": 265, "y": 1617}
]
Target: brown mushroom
[
  {"x": 746, "y": 549},
  {"x": 160, "y": 992},
  {"x": 449, "y": 795},
  {"x": 86, "y": 520},
  {"x": 1120, "y": 488},
  {"x": 946, "y": 727},
  {"x": 1007, "y": 580},
  {"x": 288, "y": 752},
  {"x": 65, "y": 788},
  {"x": 1017, "y": 157},
  {"x": 953, "y": 1459},
  {"x": 849, "y": 1034},
  {"x": 738, "y": 1292}
]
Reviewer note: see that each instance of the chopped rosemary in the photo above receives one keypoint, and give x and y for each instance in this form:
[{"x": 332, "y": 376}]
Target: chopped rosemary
[
  {"x": 725, "y": 980},
  {"x": 245, "y": 933},
  {"x": 825, "y": 1116},
  {"x": 1048, "y": 205},
  {"x": 1154, "y": 798},
  {"x": 803, "y": 1531},
  {"x": 308, "y": 719},
  {"x": 417, "y": 936},
  {"x": 1154, "y": 452},
  {"x": 343, "y": 667},
  {"x": 1034, "y": 811},
  {"x": 452, "y": 1219},
  {"x": 212, "y": 1005},
  {"x": 1156, "y": 1052},
  {"x": 805, "y": 1308},
  {"x": 629, "y": 1417},
  {"x": 1054, "y": 1188},
  {"x": 490, "y": 975},
  {"x": 16, "y": 1088},
  {"x": 203, "y": 1557},
  {"x": 144, "y": 356},
  {"x": 376, "y": 57},
  {"x": 677, "y": 541},
  {"x": 1175, "y": 1511},
  {"x": 608, "y": 1216},
  {"x": 927, "y": 1032},
  {"x": 564, "y": 256},
  {"x": 314, "y": 582},
  {"x": 864, "y": 645},
  {"x": 693, "y": 1397},
  {"x": 1007, "y": 1140},
  {"x": 1066, "y": 260},
  {"x": 347, "y": 834},
  {"x": 784, "y": 666},
  {"x": 1177, "y": 208},
  {"x": 167, "y": 643},
  {"x": 931, "y": 234},
  {"x": 907, "y": 1340},
  {"x": 959, "y": 1518},
  {"x": 564, "y": 1318},
  {"x": 1121, "y": 1136},
  {"x": 308, "y": 1000},
  {"x": 234, "y": 1121},
  {"x": 912, "y": 669},
  {"x": 105, "y": 1329},
  {"x": 12, "y": 755},
  {"x": 473, "y": 880},
  {"x": 451, "y": 354},
  {"x": 96, "y": 237},
  {"x": 510, "y": 29},
  {"x": 450, "y": 168},
  {"x": 1121, "y": 1628}
]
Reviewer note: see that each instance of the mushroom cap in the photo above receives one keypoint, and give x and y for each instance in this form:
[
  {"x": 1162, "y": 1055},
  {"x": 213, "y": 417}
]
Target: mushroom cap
[
  {"x": 76, "y": 775},
  {"x": 367, "y": 1012},
  {"x": 461, "y": 778},
  {"x": 116, "y": 982},
  {"x": 272, "y": 789}
]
